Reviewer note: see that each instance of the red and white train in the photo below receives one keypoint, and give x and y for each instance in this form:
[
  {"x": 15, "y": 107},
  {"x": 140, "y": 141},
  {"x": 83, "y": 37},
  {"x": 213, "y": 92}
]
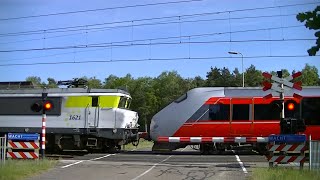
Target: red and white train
[{"x": 221, "y": 117}]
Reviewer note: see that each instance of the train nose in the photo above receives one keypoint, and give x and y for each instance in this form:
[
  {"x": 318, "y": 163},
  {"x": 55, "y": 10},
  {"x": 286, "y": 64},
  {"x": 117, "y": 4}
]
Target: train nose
[
  {"x": 154, "y": 131},
  {"x": 132, "y": 119}
]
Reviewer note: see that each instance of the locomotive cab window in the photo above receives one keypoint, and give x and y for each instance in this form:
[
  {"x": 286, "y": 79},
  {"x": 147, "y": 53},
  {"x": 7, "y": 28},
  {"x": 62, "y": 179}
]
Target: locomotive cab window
[
  {"x": 128, "y": 103},
  {"x": 122, "y": 102},
  {"x": 219, "y": 111}
]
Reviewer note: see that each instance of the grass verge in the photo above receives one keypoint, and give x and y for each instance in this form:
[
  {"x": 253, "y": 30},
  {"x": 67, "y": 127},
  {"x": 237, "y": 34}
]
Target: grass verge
[
  {"x": 142, "y": 144},
  {"x": 20, "y": 169},
  {"x": 283, "y": 173}
]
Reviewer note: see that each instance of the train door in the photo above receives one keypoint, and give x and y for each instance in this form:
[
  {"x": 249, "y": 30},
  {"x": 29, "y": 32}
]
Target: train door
[
  {"x": 241, "y": 111},
  {"x": 93, "y": 113}
]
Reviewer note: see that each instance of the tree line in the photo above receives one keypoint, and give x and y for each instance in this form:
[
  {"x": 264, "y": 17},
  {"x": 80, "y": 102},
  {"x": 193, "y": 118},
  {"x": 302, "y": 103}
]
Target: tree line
[{"x": 151, "y": 94}]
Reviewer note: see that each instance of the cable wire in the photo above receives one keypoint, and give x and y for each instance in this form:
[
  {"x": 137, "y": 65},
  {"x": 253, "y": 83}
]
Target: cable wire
[
  {"x": 115, "y": 44},
  {"x": 150, "y": 19},
  {"x": 100, "y": 9},
  {"x": 152, "y": 59}
]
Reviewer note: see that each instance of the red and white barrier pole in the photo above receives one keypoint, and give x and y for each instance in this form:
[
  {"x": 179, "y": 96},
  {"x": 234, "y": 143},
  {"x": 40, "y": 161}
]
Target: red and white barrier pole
[
  {"x": 43, "y": 135},
  {"x": 43, "y": 129}
]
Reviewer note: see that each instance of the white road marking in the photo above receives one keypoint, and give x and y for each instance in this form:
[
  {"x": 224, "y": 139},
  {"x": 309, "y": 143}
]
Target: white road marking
[
  {"x": 72, "y": 164},
  {"x": 78, "y": 162},
  {"x": 151, "y": 168},
  {"x": 101, "y": 157},
  {"x": 241, "y": 163},
  {"x": 155, "y": 165}
]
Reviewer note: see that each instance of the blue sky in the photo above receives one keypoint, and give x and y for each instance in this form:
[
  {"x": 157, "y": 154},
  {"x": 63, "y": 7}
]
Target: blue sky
[{"x": 281, "y": 26}]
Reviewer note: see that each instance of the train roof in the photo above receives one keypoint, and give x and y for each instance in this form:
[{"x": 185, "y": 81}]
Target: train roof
[
  {"x": 62, "y": 92},
  {"x": 252, "y": 91}
]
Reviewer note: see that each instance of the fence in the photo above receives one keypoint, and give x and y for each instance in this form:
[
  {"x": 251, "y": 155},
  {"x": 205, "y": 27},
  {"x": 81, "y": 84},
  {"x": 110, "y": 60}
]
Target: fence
[
  {"x": 3, "y": 148},
  {"x": 314, "y": 155}
]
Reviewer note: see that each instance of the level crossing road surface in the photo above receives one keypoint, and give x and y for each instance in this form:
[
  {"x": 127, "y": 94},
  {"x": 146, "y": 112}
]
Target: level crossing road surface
[{"x": 184, "y": 164}]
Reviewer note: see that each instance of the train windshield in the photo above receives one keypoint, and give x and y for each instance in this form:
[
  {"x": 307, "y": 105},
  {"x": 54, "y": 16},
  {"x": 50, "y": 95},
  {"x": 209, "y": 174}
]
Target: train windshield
[{"x": 124, "y": 102}]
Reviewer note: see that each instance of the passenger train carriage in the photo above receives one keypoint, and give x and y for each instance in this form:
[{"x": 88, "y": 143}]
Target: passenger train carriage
[
  {"x": 80, "y": 118},
  {"x": 214, "y": 115}
]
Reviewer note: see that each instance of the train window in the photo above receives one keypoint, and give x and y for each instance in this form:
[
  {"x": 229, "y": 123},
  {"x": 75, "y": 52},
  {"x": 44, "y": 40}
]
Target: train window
[
  {"x": 122, "y": 102},
  {"x": 128, "y": 103},
  {"x": 219, "y": 111},
  {"x": 265, "y": 112},
  {"x": 311, "y": 110},
  {"x": 240, "y": 112},
  {"x": 95, "y": 101}
]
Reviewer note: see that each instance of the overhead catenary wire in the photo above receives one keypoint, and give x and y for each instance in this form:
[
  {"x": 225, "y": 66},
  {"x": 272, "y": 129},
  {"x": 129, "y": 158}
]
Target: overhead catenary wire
[
  {"x": 73, "y": 28},
  {"x": 118, "y": 43},
  {"x": 97, "y": 29},
  {"x": 166, "y": 43},
  {"x": 100, "y": 9},
  {"x": 138, "y": 25},
  {"x": 152, "y": 59}
]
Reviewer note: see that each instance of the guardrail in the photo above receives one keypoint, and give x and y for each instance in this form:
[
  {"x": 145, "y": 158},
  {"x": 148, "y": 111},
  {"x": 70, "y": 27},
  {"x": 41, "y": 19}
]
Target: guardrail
[
  {"x": 314, "y": 155},
  {"x": 3, "y": 148}
]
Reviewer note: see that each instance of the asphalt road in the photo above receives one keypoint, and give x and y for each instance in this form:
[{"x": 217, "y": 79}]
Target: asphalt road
[{"x": 184, "y": 164}]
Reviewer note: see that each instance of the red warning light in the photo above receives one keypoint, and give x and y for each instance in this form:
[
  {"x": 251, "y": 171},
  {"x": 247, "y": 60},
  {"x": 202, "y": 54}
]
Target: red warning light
[
  {"x": 47, "y": 106},
  {"x": 290, "y": 106}
]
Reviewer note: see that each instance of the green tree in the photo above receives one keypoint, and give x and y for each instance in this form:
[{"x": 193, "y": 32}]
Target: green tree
[
  {"x": 114, "y": 82},
  {"x": 312, "y": 21},
  {"x": 144, "y": 100},
  {"x": 168, "y": 86},
  {"x": 253, "y": 77},
  {"x": 213, "y": 77},
  {"x": 36, "y": 81},
  {"x": 198, "y": 81},
  {"x": 285, "y": 73},
  {"x": 309, "y": 77},
  {"x": 94, "y": 83},
  {"x": 237, "y": 78},
  {"x": 52, "y": 83}
]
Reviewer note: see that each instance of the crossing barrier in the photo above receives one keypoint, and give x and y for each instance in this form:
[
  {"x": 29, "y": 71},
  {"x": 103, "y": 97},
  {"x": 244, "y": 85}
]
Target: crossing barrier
[
  {"x": 23, "y": 146},
  {"x": 213, "y": 139},
  {"x": 3, "y": 147}
]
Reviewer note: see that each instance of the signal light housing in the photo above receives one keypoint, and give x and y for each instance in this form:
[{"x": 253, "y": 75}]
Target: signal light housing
[
  {"x": 290, "y": 109},
  {"x": 38, "y": 106}
]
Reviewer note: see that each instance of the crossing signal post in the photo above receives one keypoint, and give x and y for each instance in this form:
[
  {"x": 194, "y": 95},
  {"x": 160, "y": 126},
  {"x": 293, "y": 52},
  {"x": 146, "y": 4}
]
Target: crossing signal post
[
  {"x": 290, "y": 124},
  {"x": 43, "y": 106}
]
